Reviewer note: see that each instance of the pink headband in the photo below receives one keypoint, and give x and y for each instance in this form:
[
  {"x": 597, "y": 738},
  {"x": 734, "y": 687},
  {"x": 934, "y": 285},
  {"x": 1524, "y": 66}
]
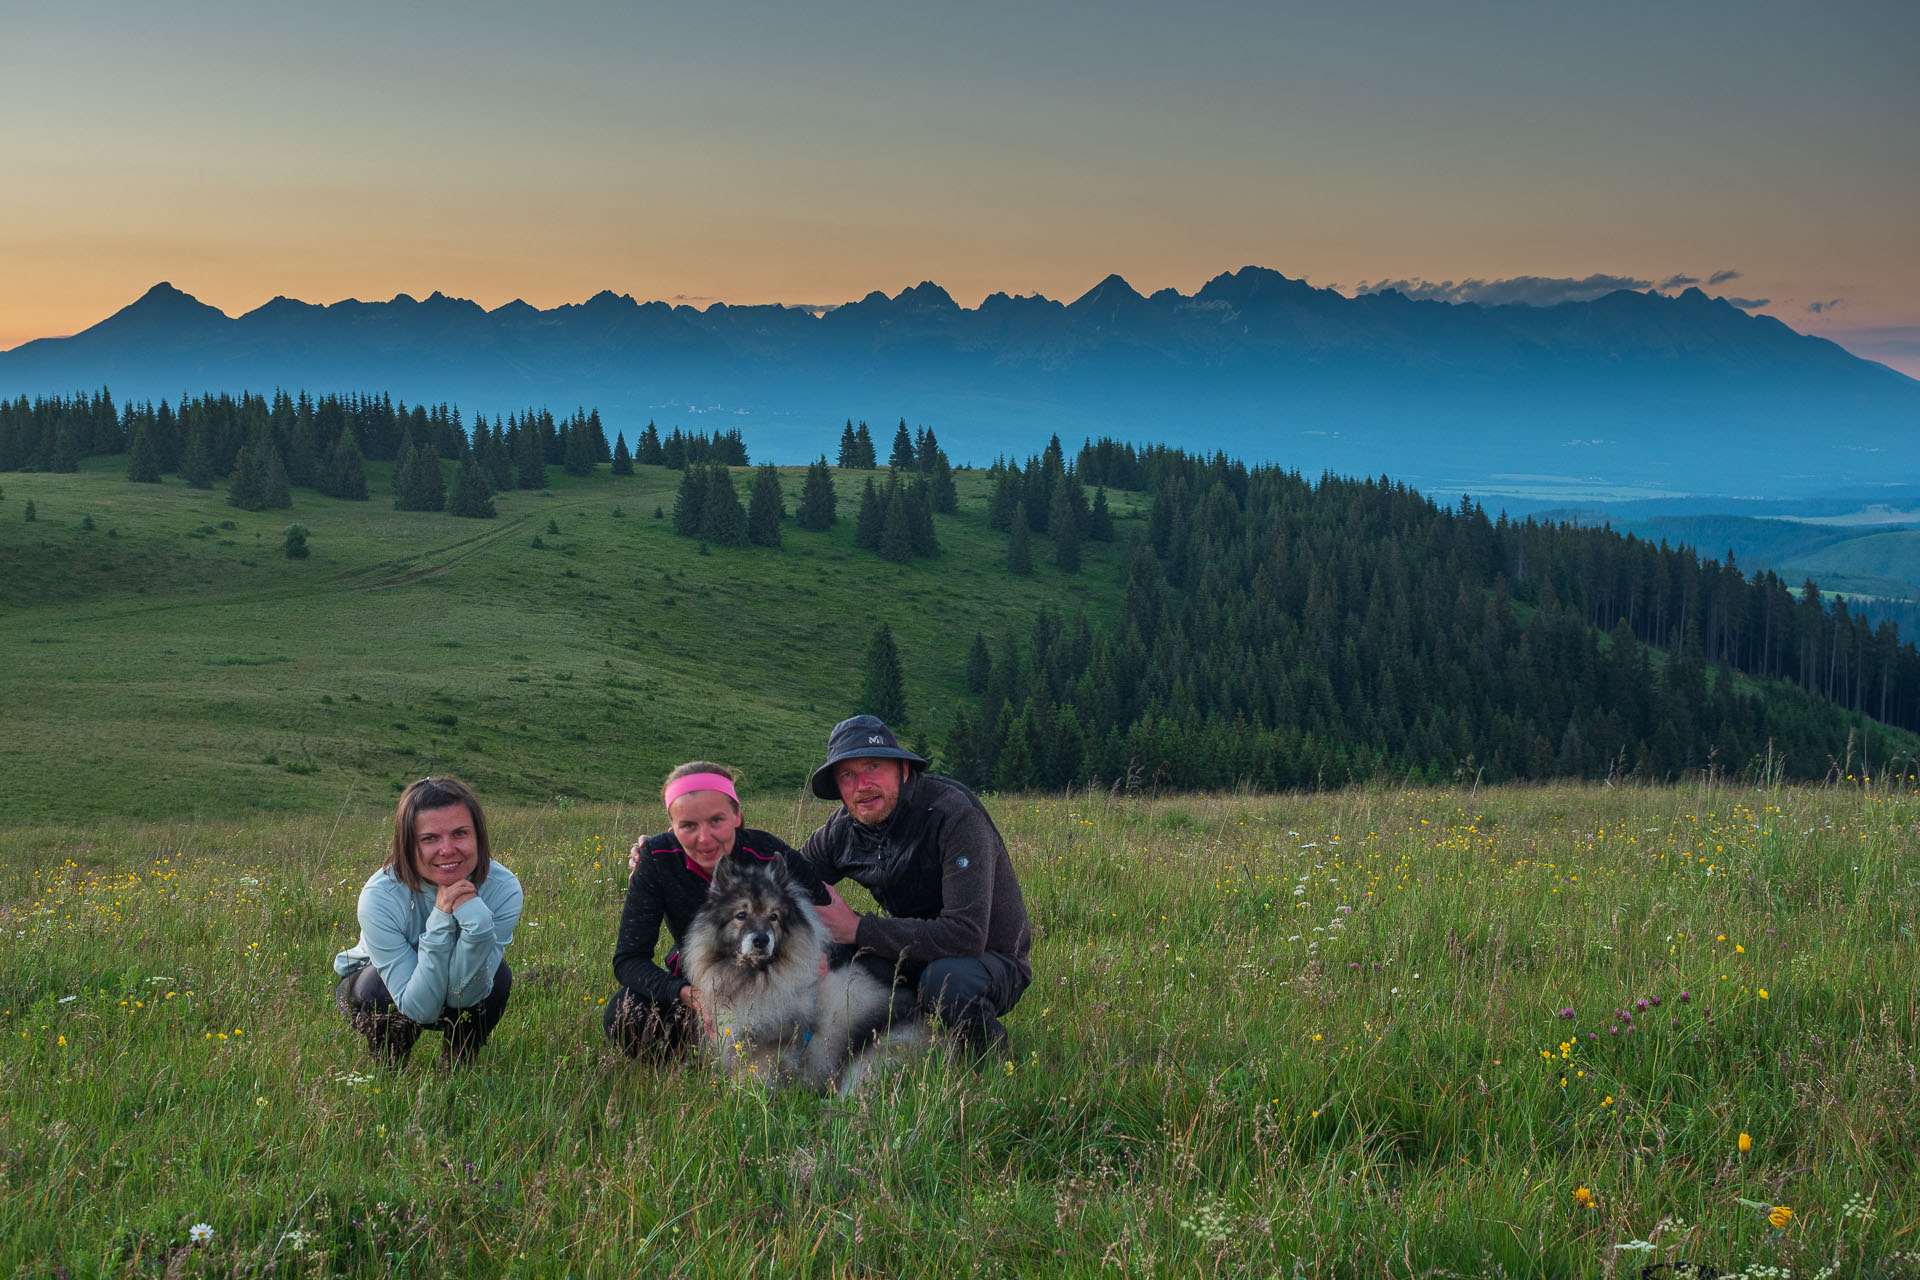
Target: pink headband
[{"x": 699, "y": 782}]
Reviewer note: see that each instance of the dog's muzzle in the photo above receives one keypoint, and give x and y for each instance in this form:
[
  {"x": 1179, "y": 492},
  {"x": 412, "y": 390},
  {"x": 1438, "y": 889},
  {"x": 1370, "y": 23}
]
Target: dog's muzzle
[{"x": 756, "y": 946}]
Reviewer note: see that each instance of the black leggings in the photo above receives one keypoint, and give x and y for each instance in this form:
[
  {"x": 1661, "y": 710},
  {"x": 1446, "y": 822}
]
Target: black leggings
[{"x": 369, "y": 1009}]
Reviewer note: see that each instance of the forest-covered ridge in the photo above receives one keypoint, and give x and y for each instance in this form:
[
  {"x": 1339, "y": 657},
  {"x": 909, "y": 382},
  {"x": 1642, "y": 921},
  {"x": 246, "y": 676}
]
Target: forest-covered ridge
[{"x": 1261, "y": 628}]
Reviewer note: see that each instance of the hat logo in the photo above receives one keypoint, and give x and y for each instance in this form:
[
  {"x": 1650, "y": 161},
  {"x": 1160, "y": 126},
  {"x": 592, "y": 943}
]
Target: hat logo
[{"x": 874, "y": 739}]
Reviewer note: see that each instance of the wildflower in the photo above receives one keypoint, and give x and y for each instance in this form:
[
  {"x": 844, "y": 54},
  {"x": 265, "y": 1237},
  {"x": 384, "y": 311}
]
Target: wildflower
[
  {"x": 1583, "y": 1197},
  {"x": 200, "y": 1233},
  {"x": 1746, "y": 1143},
  {"x": 1655, "y": 1001},
  {"x": 1684, "y": 997},
  {"x": 1780, "y": 1217},
  {"x": 1640, "y": 1005},
  {"x": 1764, "y": 995}
]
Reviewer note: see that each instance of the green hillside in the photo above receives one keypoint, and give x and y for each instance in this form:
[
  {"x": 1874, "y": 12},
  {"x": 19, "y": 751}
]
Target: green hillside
[{"x": 172, "y": 661}]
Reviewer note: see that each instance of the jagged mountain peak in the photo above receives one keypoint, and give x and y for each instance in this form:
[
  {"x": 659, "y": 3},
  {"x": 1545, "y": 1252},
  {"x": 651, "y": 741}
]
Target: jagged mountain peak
[{"x": 1112, "y": 291}]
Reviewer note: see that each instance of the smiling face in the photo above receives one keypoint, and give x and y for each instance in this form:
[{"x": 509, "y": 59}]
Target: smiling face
[
  {"x": 705, "y": 823},
  {"x": 869, "y": 787},
  {"x": 446, "y": 845}
]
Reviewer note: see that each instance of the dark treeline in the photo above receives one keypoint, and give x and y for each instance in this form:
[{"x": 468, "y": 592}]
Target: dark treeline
[
  {"x": 682, "y": 449},
  {"x": 262, "y": 446},
  {"x": 1281, "y": 633}
]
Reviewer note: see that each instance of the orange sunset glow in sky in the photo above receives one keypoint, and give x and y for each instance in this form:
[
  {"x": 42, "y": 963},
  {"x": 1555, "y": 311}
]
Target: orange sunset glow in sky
[{"x": 809, "y": 154}]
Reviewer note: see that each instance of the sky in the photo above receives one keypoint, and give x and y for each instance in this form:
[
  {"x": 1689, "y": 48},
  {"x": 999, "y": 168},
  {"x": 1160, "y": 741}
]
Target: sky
[{"x": 809, "y": 154}]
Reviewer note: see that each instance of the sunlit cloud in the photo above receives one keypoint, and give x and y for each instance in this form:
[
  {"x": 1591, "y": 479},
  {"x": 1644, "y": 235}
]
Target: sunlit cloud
[{"x": 1532, "y": 291}]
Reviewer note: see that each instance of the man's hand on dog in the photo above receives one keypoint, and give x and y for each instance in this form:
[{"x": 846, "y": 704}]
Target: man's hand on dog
[{"x": 841, "y": 920}]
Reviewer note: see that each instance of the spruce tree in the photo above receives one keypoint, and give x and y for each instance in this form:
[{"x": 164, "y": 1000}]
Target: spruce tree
[
  {"x": 143, "y": 464},
  {"x": 496, "y": 459},
  {"x": 248, "y": 478},
  {"x": 689, "y": 502},
  {"x": 405, "y": 479},
  {"x": 896, "y": 531},
  {"x": 1100, "y": 519},
  {"x": 529, "y": 458},
  {"x": 920, "y": 520},
  {"x": 817, "y": 499},
  {"x": 945, "y": 497},
  {"x": 576, "y": 449},
  {"x": 766, "y": 508},
  {"x": 885, "y": 694},
  {"x": 647, "y": 451},
  {"x": 597, "y": 437},
  {"x": 622, "y": 460},
  {"x": 959, "y": 759},
  {"x": 1065, "y": 528},
  {"x": 469, "y": 495},
  {"x": 872, "y": 519},
  {"x": 275, "y": 493},
  {"x": 849, "y": 448},
  {"x": 66, "y": 448},
  {"x": 1007, "y": 492},
  {"x": 346, "y": 473},
  {"x": 902, "y": 457},
  {"x": 302, "y": 464},
  {"x": 979, "y": 665},
  {"x": 863, "y": 456},
  {"x": 296, "y": 536},
  {"x": 196, "y": 466},
  {"x": 1019, "y": 550},
  {"x": 723, "y": 522}
]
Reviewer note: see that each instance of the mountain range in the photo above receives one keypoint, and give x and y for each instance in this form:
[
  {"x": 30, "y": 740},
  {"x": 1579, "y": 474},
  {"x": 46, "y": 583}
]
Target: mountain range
[{"x": 1626, "y": 395}]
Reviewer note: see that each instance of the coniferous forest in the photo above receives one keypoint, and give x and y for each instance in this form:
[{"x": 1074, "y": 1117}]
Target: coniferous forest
[
  {"x": 1283, "y": 633},
  {"x": 1276, "y": 632}
]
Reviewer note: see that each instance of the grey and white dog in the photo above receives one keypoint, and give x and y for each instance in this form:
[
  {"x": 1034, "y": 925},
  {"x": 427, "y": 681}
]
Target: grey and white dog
[{"x": 757, "y": 954}]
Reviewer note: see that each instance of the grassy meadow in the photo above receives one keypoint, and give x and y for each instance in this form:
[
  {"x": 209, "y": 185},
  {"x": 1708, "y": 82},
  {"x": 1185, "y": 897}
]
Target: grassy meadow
[
  {"x": 573, "y": 647},
  {"x": 1367, "y": 1033}
]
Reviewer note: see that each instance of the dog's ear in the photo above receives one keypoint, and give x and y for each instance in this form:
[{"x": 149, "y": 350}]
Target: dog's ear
[
  {"x": 726, "y": 875},
  {"x": 778, "y": 873}
]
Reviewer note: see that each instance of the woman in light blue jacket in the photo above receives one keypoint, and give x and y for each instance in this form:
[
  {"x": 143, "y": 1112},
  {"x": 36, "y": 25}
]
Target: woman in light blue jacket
[{"x": 435, "y": 921}]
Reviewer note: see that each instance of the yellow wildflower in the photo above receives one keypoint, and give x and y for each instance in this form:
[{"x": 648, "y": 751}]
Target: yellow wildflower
[
  {"x": 1746, "y": 1143},
  {"x": 1583, "y": 1197},
  {"x": 1780, "y": 1217}
]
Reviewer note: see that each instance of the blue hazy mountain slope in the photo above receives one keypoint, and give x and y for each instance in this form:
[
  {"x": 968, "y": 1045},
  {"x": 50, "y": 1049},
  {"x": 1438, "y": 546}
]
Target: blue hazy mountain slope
[{"x": 1684, "y": 393}]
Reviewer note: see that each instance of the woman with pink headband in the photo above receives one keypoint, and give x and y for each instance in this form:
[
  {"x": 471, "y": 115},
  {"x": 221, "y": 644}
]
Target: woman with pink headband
[{"x": 653, "y": 1013}]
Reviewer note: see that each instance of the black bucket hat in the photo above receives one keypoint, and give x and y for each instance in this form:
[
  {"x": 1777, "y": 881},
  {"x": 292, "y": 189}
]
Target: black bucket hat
[{"x": 858, "y": 738}]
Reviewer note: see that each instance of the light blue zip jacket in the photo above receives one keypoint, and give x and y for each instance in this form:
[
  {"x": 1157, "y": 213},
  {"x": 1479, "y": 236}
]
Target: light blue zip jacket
[{"x": 432, "y": 961}]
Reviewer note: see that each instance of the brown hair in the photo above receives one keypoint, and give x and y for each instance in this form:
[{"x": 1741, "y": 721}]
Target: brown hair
[
  {"x": 702, "y": 766},
  {"x": 434, "y": 793}
]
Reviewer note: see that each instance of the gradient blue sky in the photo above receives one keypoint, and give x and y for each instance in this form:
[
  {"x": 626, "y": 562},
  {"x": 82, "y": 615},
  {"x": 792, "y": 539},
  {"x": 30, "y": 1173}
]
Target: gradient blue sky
[{"x": 811, "y": 153}]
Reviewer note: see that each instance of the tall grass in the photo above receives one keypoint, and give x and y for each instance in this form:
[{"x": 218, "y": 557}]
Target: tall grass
[{"x": 1267, "y": 1036}]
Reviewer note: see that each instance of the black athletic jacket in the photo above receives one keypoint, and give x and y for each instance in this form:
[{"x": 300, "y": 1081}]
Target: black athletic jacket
[
  {"x": 668, "y": 887},
  {"x": 940, "y": 871}
]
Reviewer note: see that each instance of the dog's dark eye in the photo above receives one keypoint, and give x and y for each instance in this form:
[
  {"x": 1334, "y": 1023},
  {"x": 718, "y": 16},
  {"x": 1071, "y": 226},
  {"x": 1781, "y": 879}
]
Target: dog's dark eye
[
  {"x": 774, "y": 916},
  {"x": 739, "y": 915}
]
